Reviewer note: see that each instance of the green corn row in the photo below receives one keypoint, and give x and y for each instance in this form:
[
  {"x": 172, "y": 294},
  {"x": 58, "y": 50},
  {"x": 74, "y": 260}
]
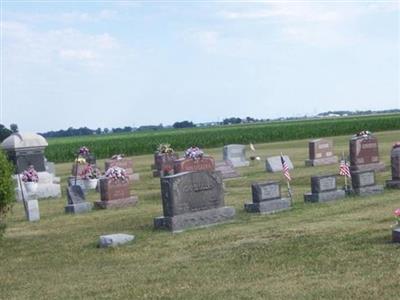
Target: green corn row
[{"x": 62, "y": 149}]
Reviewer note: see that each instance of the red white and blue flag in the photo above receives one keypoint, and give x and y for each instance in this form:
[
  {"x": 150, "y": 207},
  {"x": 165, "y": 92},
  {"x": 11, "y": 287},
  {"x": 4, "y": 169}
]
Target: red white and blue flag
[
  {"x": 344, "y": 169},
  {"x": 285, "y": 169}
]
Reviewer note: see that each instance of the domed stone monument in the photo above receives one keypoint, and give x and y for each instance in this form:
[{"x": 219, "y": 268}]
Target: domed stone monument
[{"x": 24, "y": 150}]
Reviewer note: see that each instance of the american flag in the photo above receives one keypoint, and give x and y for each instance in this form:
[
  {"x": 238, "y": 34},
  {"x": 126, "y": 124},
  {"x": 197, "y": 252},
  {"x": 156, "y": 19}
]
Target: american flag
[
  {"x": 285, "y": 169},
  {"x": 344, "y": 169}
]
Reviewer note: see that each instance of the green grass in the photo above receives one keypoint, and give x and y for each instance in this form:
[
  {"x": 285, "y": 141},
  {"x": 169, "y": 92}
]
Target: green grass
[
  {"x": 63, "y": 149},
  {"x": 339, "y": 250}
]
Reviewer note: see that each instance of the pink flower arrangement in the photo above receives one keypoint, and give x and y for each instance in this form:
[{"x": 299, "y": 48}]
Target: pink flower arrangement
[
  {"x": 117, "y": 157},
  {"x": 364, "y": 133},
  {"x": 83, "y": 151},
  {"x": 396, "y": 145},
  {"x": 194, "y": 153},
  {"x": 397, "y": 215},
  {"x": 90, "y": 172},
  {"x": 116, "y": 174},
  {"x": 30, "y": 175}
]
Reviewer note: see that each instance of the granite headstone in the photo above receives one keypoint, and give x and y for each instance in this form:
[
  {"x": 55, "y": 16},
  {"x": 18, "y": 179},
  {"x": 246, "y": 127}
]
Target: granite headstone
[
  {"x": 273, "y": 164},
  {"x": 236, "y": 154},
  {"x": 321, "y": 153},
  {"x": 363, "y": 183},
  {"x": 323, "y": 189},
  {"x": 267, "y": 198},
  {"x": 395, "y": 167},
  {"x": 364, "y": 154},
  {"x": 115, "y": 194},
  {"x": 192, "y": 199}
]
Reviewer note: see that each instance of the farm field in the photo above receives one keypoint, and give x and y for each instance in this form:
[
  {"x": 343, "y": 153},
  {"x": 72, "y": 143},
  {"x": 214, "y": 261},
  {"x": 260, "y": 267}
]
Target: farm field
[
  {"x": 136, "y": 143},
  {"x": 338, "y": 250}
]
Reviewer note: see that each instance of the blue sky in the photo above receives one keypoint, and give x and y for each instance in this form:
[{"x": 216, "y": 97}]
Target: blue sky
[{"x": 131, "y": 63}]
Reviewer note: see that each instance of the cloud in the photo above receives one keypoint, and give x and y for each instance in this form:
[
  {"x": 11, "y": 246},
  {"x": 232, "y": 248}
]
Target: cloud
[{"x": 23, "y": 44}]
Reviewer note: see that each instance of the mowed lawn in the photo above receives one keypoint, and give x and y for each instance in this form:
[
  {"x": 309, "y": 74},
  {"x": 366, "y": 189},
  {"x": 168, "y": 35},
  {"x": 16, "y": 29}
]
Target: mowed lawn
[{"x": 338, "y": 250}]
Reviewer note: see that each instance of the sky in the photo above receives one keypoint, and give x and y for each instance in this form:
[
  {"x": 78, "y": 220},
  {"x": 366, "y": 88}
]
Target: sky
[{"x": 132, "y": 63}]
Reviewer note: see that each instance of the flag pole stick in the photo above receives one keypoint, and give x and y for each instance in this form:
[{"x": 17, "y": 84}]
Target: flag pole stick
[
  {"x": 289, "y": 188},
  {"x": 345, "y": 176}
]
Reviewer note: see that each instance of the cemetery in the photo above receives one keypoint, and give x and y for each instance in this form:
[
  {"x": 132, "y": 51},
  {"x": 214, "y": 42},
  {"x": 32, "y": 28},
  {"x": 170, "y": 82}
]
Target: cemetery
[{"x": 193, "y": 223}]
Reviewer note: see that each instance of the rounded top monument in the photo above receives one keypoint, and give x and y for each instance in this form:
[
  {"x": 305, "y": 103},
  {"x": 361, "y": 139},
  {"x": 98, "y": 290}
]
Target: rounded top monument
[{"x": 24, "y": 140}]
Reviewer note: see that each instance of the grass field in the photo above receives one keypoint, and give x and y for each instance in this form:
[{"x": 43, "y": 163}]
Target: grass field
[
  {"x": 137, "y": 143},
  {"x": 339, "y": 250}
]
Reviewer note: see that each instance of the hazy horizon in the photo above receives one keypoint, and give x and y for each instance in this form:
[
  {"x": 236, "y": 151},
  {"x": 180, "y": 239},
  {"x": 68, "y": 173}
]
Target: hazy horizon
[{"x": 131, "y": 63}]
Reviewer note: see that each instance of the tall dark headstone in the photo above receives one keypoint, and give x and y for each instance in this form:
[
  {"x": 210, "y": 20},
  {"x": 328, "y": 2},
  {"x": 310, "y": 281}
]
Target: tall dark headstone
[
  {"x": 364, "y": 154},
  {"x": 115, "y": 194},
  {"x": 320, "y": 153},
  {"x": 206, "y": 163},
  {"x": 395, "y": 166},
  {"x": 323, "y": 189},
  {"x": 76, "y": 202},
  {"x": 267, "y": 198},
  {"x": 192, "y": 199}
]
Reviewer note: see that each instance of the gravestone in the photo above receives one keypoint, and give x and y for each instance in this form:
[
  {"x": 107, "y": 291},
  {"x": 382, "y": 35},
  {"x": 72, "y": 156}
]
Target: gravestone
[
  {"x": 192, "y": 199},
  {"x": 273, "y": 164},
  {"x": 114, "y": 240},
  {"x": 79, "y": 181},
  {"x": 395, "y": 166},
  {"x": 163, "y": 162},
  {"x": 323, "y": 189},
  {"x": 115, "y": 194},
  {"x": 364, "y": 154},
  {"x": 206, "y": 163},
  {"x": 396, "y": 235},
  {"x": 32, "y": 210},
  {"x": 236, "y": 154},
  {"x": 124, "y": 163},
  {"x": 227, "y": 170},
  {"x": 25, "y": 149},
  {"x": 76, "y": 202},
  {"x": 363, "y": 183},
  {"x": 267, "y": 198},
  {"x": 320, "y": 152}
]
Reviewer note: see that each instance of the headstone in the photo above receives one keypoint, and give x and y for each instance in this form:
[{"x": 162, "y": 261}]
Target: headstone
[
  {"x": 48, "y": 186},
  {"x": 227, "y": 170},
  {"x": 320, "y": 153},
  {"x": 124, "y": 163},
  {"x": 363, "y": 183},
  {"x": 364, "y": 154},
  {"x": 115, "y": 194},
  {"x": 79, "y": 181},
  {"x": 323, "y": 189},
  {"x": 206, "y": 163},
  {"x": 114, "y": 240},
  {"x": 163, "y": 163},
  {"x": 267, "y": 198},
  {"x": 396, "y": 235},
  {"x": 273, "y": 164},
  {"x": 32, "y": 210},
  {"x": 25, "y": 149},
  {"x": 236, "y": 154},
  {"x": 77, "y": 203},
  {"x": 395, "y": 166},
  {"x": 192, "y": 199}
]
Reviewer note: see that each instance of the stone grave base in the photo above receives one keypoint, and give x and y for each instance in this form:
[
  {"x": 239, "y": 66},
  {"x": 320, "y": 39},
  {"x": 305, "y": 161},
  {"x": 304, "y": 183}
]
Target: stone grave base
[
  {"x": 324, "y": 196},
  {"x": 368, "y": 190},
  {"x": 227, "y": 169},
  {"x": 396, "y": 235},
  {"x": 268, "y": 207},
  {"x": 239, "y": 163},
  {"x": 377, "y": 167},
  {"x": 321, "y": 161},
  {"x": 32, "y": 210},
  {"x": 78, "y": 208},
  {"x": 393, "y": 184},
  {"x": 196, "y": 219},
  {"x": 118, "y": 203}
]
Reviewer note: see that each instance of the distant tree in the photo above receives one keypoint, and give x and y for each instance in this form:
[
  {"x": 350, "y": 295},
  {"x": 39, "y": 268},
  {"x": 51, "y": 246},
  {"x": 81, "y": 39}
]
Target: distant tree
[
  {"x": 14, "y": 128},
  {"x": 4, "y": 132},
  {"x": 106, "y": 130},
  {"x": 232, "y": 120},
  {"x": 98, "y": 130},
  {"x": 7, "y": 196},
  {"x": 183, "y": 124}
]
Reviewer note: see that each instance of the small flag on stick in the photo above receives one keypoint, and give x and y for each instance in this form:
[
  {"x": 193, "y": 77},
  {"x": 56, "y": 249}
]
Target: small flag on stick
[
  {"x": 286, "y": 174},
  {"x": 285, "y": 169},
  {"x": 344, "y": 169}
]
